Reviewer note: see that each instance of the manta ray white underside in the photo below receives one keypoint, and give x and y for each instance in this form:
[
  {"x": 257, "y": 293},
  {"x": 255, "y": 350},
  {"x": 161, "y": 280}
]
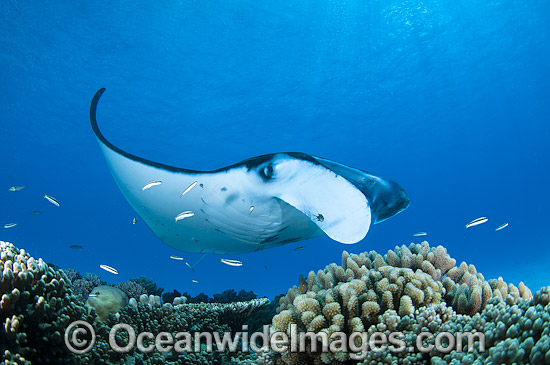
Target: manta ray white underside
[{"x": 258, "y": 203}]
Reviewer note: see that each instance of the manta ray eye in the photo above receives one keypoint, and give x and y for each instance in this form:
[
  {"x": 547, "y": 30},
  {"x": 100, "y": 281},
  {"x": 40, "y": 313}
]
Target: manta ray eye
[{"x": 267, "y": 172}]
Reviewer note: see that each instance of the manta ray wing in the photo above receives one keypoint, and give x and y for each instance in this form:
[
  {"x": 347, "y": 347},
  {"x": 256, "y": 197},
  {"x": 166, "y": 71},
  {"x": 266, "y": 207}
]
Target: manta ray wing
[{"x": 258, "y": 203}]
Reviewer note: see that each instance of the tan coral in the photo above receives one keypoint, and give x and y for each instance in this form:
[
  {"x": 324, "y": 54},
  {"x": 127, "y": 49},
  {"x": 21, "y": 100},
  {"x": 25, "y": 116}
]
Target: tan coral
[
  {"x": 353, "y": 306},
  {"x": 414, "y": 293},
  {"x": 406, "y": 307},
  {"x": 282, "y": 320},
  {"x": 358, "y": 285},
  {"x": 331, "y": 309},
  {"x": 387, "y": 300},
  {"x": 307, "y": 317},
  {"x": 303, "y": 304},
  {"x": 524, "y": 291},
  {"x": 409, "y": 280},
  {"x": 428, "y": 267},
  {"x": 352, "y": 265},
  {"x": 339, "y": 320},
  {"x": 392, "y": 259},
  {"x": 369, "y": 309},
  {"x": 317, "y": 324}
]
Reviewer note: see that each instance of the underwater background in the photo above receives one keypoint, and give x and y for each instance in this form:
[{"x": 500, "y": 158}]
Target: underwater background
[{"x": 450, "y": 100}]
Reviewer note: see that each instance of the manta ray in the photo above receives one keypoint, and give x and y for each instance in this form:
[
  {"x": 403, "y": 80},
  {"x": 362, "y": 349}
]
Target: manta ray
[{"x": 259, "y": 203}]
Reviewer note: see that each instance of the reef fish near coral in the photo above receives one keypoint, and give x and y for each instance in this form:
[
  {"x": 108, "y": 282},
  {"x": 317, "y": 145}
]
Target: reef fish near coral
[
  {"x": 295, "y": 197},
  {"x": 106, "y": 300}
]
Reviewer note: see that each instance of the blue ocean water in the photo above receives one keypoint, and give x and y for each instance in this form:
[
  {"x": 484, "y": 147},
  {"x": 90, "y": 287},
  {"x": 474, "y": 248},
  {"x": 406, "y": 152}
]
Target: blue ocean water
[{"x": 451, "y": 100}]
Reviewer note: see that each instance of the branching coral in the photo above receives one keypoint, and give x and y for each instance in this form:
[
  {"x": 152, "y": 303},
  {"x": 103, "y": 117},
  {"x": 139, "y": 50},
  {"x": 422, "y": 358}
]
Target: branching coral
[
  {"x": 149, "y": 315},
  {"x": 72, "y": 275},
  {"x": 35, "y": 307},
  {"x": 370, "y": 290},
  {"x": 132, "y": 289},
  {"x": 82, "y": 287},
  {"x": 148, "y": 284}
]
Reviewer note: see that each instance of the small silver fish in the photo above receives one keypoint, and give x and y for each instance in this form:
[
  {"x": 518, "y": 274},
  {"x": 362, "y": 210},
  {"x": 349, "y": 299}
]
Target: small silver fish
[
  {"x": 93, "y": 295},
  {"x": 16, "y": 188},
  {"x": 184, "y": 215},
  {"x": 195, "y": 281},
  {"x": 151, "y": 184},
  {"x": 420, "y": 234},
  {"x": 110, "y": 269},
  {"x": 299, "y": 248},
  {"x": 76, "y": 247},
  {"x": 502, "y": 226},
  {"x": 176, "y": 258},
  {"x": 231, "y": 262},
  {"x": 188, "y": 189},
  {"x": 251, "y": 209},
  {"x": 134, "y": 221},
  {"x": 51, "y": 199},
  {"x": 35, "y": 212},
  {"x": 189, "y": 265},
  {"x": 477, "y": 222},
  {"x": 10, "y": 225}
]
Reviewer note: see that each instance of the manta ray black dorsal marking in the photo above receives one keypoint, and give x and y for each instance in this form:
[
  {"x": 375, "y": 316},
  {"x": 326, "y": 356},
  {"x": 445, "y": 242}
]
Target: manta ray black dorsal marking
[{"x": 261, "y": 202}]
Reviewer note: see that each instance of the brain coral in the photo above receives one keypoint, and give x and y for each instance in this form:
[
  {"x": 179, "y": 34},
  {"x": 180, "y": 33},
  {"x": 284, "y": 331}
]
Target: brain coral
[{"x": 419, "y": 285}]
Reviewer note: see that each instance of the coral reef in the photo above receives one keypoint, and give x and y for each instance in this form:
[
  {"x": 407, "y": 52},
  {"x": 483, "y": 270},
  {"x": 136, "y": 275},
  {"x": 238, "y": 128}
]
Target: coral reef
[
  {"x": 149, "y": 315},
  {"x": 416, "y": 287},
  {"x": 200, "y": 298},
  {"x": 36, "y": 306},
  {"x": 148, "y": 284},
  {"x": 82, "y": 287},
  {"x": 227, "y": 296},
  {"x": 410, "y": 290},
  {"x": 72, "y": 275},
  {"x": 263, "y": 316},
  {"x": 514, "y": 333},
  {"x": 132, "y": 289},
  {"x": 168, "y": 297},
  {"x": 517, "y": 333}
]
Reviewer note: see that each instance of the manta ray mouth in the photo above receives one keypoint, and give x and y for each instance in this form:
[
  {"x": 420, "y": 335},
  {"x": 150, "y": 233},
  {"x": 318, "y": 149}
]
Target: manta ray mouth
[{"x": 261, "y": 202}]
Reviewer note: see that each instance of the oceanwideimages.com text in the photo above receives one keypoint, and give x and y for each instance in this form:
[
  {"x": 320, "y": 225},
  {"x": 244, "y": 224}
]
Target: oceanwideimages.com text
[{"x": 80, "y": 338}]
